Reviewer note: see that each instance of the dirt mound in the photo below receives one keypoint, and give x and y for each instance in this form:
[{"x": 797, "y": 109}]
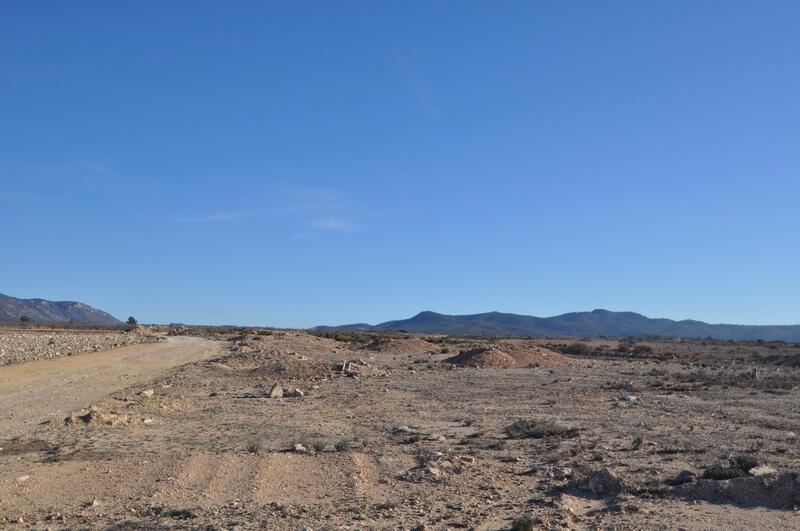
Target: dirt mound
[
  {"x": 409, "y": 345},
  {"x": 483, "y": 357},
  {"x": 283, "y": 356},
  {"x": 95, "y": 417},
  {"x": 286, "y": 368},
  {"x": 509, "y": 355},
  {"x": 528, "y": 353}
]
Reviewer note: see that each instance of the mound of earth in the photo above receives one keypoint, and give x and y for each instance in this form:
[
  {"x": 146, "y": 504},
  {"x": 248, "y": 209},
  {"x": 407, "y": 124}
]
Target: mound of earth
[
  {"x": 289, "y": 369},
  {"x": 284, "y": 356},
  {"x": 95, "y": 417},
  {"x": 483, "y": 357},
  {"x": 411, "y": 345},
  {"x": 526, "y": 354}
]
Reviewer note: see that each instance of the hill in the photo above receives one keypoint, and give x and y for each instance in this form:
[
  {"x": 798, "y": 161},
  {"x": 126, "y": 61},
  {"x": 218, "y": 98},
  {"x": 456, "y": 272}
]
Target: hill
[
  {"x": 577, "y": 324},
  {"x": 44, "y": 311}
]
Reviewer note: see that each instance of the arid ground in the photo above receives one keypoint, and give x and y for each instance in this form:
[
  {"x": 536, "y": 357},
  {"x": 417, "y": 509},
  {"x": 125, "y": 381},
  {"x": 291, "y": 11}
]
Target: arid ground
[{"x": 271, "y": 429}]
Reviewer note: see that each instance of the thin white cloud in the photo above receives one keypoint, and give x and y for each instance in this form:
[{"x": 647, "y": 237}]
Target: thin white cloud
[
  {"x": 213, "y": 217},
  {"x": 306, "y": 211},
  {"x": 95, "y": 166},
  {"x": 318, "y": 210},
  {"x": 333, "y": 224}
]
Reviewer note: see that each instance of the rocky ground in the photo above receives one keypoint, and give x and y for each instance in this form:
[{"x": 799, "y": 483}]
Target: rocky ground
[
  {"x": 286, "y": 430},
  {"x": 16, "y": 346}
]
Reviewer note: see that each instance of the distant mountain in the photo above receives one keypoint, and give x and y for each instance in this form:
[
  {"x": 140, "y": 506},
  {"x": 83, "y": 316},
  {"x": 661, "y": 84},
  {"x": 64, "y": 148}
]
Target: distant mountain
[
  {"x": 578, "y": 324},
  {"x": 40, "y": 310}
]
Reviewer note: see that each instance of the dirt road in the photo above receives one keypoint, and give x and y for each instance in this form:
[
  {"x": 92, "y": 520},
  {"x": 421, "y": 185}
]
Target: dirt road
[{"x": 33, "y": 392}]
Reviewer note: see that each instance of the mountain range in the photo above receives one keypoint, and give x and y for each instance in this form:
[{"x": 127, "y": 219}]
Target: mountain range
[
  {"x": 576, "y": 324},
  {"x": 40, "y": 310}
]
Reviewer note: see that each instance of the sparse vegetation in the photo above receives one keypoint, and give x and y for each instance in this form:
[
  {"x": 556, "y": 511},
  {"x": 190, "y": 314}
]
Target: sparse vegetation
[
  {"x": 317, "y": 445},
  {"x": 538, "y": 429},
  {"x": 344, "y": 445},
  {"x": 721, "y": 472},
  {"x": 356, "y": 338},
  {"x": 751, "y": 378},
  {"x": 524, "y": 523},
  {"x": 256, "y": 446},
  {"x": 25, "y": 319},
  {"x": 494, "y": 427},
  {"x": 745, "y": 462},
  {"x": 737, "y": 467},
  {"x": 132, "y": 320},
  {"x": 577, "y": 349}
]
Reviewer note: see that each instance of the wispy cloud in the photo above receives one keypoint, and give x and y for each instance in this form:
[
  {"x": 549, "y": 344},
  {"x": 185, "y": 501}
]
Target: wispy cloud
[
  {"x": 333, "y": 225},
  {"x": 319, "y": 210},
  {"x": 96, "y": 167},
  {"x": 212, "y": 217},
  {"x": 304, "y": 211}
]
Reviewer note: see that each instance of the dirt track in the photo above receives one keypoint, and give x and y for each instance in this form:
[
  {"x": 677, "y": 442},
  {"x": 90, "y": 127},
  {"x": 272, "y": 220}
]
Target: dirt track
[
  {"x": 428, "y": 442},
  {"x": 35, "y": 391}
]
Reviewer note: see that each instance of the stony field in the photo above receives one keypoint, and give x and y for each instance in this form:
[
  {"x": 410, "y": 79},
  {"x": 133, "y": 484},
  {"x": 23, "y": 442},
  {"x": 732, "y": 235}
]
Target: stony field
[
  {"x": 286, "y": 430},
  {"x": 41, "y": 345}
]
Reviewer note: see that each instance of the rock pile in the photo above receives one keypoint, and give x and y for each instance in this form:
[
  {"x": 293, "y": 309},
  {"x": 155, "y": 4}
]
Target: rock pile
[{"x": 17, "y": 347}]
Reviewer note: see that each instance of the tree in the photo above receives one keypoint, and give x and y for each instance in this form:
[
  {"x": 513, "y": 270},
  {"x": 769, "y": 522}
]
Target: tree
[
  {"x": 132, "y": 320},
  {"x": 25, "y": 319}
]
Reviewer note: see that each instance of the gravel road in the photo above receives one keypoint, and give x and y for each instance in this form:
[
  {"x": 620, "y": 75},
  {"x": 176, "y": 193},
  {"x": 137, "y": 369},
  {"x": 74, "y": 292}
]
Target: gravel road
[{"x": 36, "y": 391}]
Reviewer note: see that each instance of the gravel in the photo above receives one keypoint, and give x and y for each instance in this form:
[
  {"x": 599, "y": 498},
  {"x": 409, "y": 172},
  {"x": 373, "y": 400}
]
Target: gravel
[{"x": 17, "y": 347}]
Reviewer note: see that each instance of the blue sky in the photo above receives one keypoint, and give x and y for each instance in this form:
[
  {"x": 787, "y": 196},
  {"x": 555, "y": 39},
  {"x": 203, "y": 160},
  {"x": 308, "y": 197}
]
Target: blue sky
[{"x": 298, "y": 163}]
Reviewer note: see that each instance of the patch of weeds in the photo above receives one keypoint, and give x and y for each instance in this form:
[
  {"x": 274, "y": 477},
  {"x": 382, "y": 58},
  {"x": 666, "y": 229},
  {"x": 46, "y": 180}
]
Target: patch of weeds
[
  {"x": 720, "y": 472},
  {"x": 388, "y": 505},
  {"x": 767, "y": 381},
  {"x": 318, "y": 445},
  {"x": 524, "y": 523},
  {"x": 738, "y": 467},
  {"x": 345, "y": 445},
  {"x": 256, "y": 446},
  {"x": 577, "y": 349},
  {"x": 412, "y": 439},
  {"x": 181, "y": 514},
  {"x": 745, "y": 462},
  {"x": 538, "y": 429}
]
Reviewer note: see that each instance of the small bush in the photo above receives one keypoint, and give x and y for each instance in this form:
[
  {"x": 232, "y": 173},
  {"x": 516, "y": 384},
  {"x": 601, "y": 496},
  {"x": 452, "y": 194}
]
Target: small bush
[
  {"x": 641, "y": 350},
  {"x": 577, "y": 349},
  {"x": 538, "y": 429},
  {"x": 523, "y": 523},
  {"x": 745, "y": 462},
  {"x": 318, "y": 445},
  {"x": 255, "y": 446},
  {"x": 719, "y": 473},
  {"x": 739, "y": 467},
  {"x": 25, "y": 319},
  {"x": 345, "y": 445}
]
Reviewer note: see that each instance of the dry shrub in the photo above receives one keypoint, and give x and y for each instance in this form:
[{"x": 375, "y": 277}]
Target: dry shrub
[{"x": 538, "y": 429}]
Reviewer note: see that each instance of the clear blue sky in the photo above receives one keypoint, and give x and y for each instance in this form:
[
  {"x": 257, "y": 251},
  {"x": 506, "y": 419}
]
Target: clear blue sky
[{"x": 300, "y": 163}]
